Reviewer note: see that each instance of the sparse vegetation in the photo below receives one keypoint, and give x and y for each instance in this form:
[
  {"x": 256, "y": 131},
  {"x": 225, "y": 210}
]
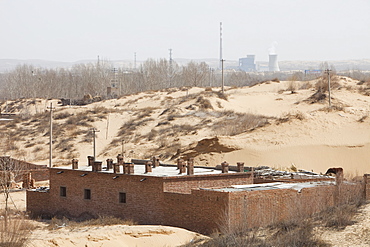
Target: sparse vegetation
[
  {"x": 232, "y": 123},
  {"x": 56, "y": 223},
  {"x": 15, "y": 231}
]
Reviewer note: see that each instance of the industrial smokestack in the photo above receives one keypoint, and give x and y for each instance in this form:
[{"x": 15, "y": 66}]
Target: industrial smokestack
[{"x": 273, "y": 63}]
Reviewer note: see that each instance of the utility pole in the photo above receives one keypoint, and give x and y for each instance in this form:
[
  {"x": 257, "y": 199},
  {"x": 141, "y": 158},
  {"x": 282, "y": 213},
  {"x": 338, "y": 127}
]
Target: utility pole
[
  {"x": 123, "y": 149},
  {"x": 329, "y": 90},
  {"x": 221, "y": 44},
  {"x": 210, "y": 76},
  {"x": 170, "y": 72},
  {"x": 135, "y": 61},
  {"x": 93, "y": 130},
  {"x": 51, "y": 134},
  {"x": 222, "y": 76}
]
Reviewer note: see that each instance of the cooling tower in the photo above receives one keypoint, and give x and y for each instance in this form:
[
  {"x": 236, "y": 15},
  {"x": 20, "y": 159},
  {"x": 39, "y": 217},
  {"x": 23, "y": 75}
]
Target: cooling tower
[{"x": 273, "y": 63}]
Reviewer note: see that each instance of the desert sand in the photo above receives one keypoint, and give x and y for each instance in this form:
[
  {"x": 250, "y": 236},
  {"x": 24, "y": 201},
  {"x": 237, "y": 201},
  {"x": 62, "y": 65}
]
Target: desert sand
[
  {"x": 180, "y": 123},
  {"x": 298, "y": 132}
]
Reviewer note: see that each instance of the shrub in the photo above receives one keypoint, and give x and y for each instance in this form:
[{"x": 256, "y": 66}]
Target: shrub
[
  {"x": 204, "y": 103},
  {"x": 295, "y": 233},
  {"x": 62, "y": 115},
  {"x": 14, "y": 232},
  {"x": 340, "y": 216}
]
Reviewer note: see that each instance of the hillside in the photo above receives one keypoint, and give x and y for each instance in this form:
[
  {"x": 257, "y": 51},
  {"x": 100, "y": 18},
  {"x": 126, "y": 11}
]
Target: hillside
[{"x": 277, "y": 124}]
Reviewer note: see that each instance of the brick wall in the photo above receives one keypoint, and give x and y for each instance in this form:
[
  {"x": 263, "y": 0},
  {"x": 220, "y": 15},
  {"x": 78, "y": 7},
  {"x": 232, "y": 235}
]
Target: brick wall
[
  {"x": 172, "y": 201},
  {"x": 262, "y": 208},
  {"x": 143, "y": 199},
  {"x": 39, "y": 172},
  {"x": 38, "y": 202},
  {"x": 184, "y": 184},
  {"x": 201, "y": 211}
]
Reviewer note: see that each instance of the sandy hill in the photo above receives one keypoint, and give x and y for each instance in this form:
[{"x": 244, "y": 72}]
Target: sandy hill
[{"x": 276, "y": 124}]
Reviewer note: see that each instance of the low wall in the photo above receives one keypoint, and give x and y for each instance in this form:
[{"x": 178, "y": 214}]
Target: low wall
[
  {"x": 201, "y": 211},
  {"x": 38, "y": 203},
  {"x": 262, "y": 208},
  {"x": 184, "y": 184}
]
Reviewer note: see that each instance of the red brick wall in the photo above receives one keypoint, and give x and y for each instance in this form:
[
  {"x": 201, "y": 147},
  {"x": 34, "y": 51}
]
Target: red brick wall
[
  {"x": 262, "y": 208},
  {"x": 40, "y": 174},
  {"x": 184, "y": 184},
  {"x": 170, "y": 201},
  {"x": 143, "y": 199},
  {"x": 201, "y": 211},
  {"x": 38, "y": 202}
]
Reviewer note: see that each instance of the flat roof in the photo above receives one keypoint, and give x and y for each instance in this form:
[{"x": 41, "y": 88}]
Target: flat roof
[
  {"x": 270, "y": 186},
  {"x": 160, "y": 171}
]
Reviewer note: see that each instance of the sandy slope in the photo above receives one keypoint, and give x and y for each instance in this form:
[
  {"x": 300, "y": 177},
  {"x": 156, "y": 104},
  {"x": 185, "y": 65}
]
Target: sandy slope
[
  {"x": 173, "y": 122},
  {"x": 111, "y": 236}
]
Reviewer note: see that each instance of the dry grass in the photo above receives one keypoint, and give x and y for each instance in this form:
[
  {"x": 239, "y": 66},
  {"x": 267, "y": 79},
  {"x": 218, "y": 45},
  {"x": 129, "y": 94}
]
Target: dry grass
[
  {"x": 56, "y": 223},
  {"x": 14, "y": 232},
  {"x": 290, "y": 116},
  {"x": 204, "y": 103},
  {"x": 340, "y": 216},
  {"x": 233, "y": 123}
]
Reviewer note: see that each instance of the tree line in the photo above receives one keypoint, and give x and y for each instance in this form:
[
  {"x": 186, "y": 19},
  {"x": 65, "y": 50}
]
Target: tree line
[{"x": 27, "y": 81}]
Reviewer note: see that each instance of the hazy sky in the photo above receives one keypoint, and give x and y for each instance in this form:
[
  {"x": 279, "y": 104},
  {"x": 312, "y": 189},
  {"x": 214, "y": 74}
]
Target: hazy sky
[{"x": 71, "y": 30}]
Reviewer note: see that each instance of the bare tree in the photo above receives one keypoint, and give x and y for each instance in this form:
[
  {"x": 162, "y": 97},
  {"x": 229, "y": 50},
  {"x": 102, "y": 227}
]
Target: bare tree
[
  {"x": 195, "y": 75},
  {"x": 9, "y": 170}
]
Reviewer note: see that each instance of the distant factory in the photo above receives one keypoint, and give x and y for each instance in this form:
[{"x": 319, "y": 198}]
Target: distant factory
[{"x": 248, "y": 64}]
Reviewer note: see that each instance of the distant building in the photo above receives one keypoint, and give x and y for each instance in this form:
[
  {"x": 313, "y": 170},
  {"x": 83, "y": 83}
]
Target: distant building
[{"x": 248, "y": 63}]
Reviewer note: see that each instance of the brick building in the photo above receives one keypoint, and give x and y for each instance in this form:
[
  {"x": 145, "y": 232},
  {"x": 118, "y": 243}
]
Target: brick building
[{"x": 199, "y": 199}]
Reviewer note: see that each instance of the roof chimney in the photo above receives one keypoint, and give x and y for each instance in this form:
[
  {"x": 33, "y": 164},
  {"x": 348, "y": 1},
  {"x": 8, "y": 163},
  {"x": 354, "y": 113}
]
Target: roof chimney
[
  {"x": 109, "y": 164},
  {"x": 74, "y": 164},
  {"x": 155, "y": 161},
  {"x": 191, "y": 166},
  {"x": 97, "y": 166},
  {"x": 240, "y": 166},
  {"x": 130, "y": 168},
  {"x": 91, "y": 160},
  {"x": 116, "y": 168},
  {"x": 182, "y": 166},
  {"x": 225, "y": 167},
  {"x": 148, "y": 166}
]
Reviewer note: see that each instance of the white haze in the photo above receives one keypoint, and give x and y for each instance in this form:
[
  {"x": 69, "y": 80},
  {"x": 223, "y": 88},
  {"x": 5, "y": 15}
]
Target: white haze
[{"x": 72, "y": 30}]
